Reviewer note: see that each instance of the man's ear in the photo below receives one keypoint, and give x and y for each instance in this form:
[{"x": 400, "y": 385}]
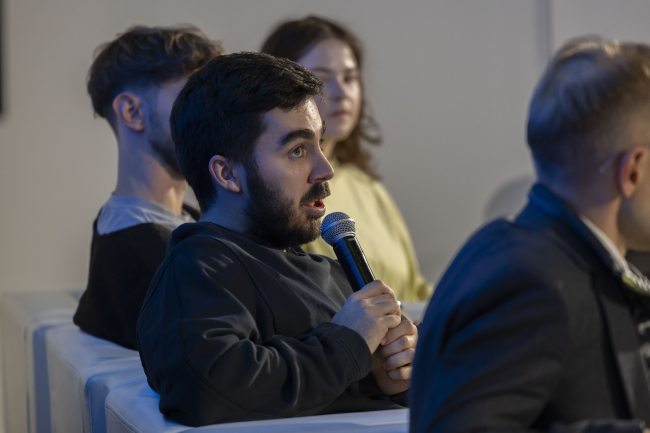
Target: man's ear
[
  {"x": 225, "y": 173},
  {"x": 631, "y": 170},
  {"x": 129, "y": 111}
]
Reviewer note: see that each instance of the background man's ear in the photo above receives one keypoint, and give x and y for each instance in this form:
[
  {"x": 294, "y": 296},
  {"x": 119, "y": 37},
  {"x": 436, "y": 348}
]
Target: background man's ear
[
  {"x": 631, "y": 169},
  {"x": 129, "y": 111},
  {"x": 225, "y": 173}
]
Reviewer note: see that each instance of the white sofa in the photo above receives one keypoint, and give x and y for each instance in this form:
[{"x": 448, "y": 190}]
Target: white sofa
[
  {"x": 82, "y": 371},
  {"x": 125, "y": 405},
  {"x": 24, "y": 320},
  {"x": 59, "y": 379}
]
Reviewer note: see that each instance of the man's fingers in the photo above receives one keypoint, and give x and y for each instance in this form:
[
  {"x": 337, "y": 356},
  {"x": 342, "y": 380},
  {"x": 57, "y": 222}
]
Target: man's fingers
[
  {"x": 387, "y": 307},
  {"x": 405, "y": 328},
  {"x": 374, "y": 288},
  {"x": 391, "y": 320},
  {"x": 402, "y": 343},
  {"x": 379, "y": 325},
  {"x": 403, "y": 373},
  {"x": 399, "y": 359},
  {"x": 386, "y": 297}
]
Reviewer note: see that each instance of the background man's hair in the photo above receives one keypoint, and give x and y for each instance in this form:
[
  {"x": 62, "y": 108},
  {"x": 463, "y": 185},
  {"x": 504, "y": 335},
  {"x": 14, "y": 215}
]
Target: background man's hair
[
  {"x": 294, "y": 39},
  {"x": 220, "y": 111},
  {"x": 588, "y": 99},
  {"x": 145, "y": 56}
]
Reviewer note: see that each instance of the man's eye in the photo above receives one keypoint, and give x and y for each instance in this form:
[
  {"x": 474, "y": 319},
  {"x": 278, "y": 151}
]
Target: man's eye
[
  {"x": 298, "y": 151},
  {"x": 351, "y": 78}
]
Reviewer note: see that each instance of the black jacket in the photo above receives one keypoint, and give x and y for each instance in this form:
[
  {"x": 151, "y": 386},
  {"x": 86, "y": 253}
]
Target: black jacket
[
  {"x": 122, "y": 265},
  {"x": 234, "y": 331},
  {"x": 530, "y": 328}
]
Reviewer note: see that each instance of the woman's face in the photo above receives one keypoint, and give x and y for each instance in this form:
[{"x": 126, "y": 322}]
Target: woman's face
[{"x": 333, "y": 61}]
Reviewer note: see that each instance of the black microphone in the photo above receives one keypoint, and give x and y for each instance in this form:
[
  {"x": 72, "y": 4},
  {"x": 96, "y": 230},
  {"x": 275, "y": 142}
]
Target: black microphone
[{"x": 338, "y": 230}]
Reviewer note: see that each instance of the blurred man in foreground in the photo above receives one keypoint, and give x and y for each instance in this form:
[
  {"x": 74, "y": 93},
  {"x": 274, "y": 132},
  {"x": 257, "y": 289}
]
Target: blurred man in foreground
[
  {"x": 540, "y": 323},
  {"x": 133, "y": 83},
  {"x": 239, "y": 322}
]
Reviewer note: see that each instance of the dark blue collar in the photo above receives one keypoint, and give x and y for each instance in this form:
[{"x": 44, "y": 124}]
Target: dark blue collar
[{"x": 554, "y": 207}]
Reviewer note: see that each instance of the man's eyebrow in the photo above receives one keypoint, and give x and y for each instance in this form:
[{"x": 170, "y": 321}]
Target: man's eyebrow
[{"x": 296, "y": 134}]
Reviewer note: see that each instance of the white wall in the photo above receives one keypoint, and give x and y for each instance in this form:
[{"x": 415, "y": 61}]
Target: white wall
[
  {"x": 624, "y": 20},
  {"x": 449, "y": 82}
]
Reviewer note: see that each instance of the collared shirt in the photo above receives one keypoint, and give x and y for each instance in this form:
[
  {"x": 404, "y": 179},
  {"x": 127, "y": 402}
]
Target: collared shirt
[
  {"x": 638, "y": 297},
  {"x": 122, "y": 211},
  {"x": 630, "y": 275},
  {"x": 620, "y": 263}
]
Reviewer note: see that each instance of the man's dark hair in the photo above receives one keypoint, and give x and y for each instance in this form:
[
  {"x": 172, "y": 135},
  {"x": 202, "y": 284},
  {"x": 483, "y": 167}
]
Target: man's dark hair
[
  {"x": 293, "y": 40},
  {"x": 220, "y": 111},
  {"x": 145, "y": 56},
  {"x": 586, "y": 101}
]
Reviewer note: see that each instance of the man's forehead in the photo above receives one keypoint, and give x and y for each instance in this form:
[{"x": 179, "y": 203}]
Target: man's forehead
[{"x": 305, "y": 116}]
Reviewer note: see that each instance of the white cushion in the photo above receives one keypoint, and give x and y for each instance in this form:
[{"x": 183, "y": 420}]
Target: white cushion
[
  {"x": 415, "y": 310},
  {"x": 383, "y": 421},
  {"x": 82, "y": 370},
  {"x": 134, "y": 409},
  {"x": 24, "y": 318}
]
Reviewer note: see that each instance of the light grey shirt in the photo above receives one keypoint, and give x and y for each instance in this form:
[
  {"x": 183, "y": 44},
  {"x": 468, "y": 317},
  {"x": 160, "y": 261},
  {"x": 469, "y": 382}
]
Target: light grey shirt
[{"x": 121, "y": 211}]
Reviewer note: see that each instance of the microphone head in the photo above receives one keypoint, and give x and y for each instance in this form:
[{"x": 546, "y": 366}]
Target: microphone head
[{"x": 335, "y": 226}]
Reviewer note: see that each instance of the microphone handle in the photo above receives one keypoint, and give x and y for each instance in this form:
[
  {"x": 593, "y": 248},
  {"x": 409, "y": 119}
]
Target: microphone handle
[{"x": 354, "y": 263}]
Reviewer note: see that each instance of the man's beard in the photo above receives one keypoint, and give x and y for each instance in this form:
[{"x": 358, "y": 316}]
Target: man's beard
[
  {"x": 272, "y": 219},
  {"x": 161, "y": 143}
]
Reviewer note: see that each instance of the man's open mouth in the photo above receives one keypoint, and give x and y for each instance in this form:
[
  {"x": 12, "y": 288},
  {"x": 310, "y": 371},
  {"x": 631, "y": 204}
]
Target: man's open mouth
[
  {"x": 316, "y": 203},
  {"x": 314, "y": 199},
  {"x": 316, "y": 208}
]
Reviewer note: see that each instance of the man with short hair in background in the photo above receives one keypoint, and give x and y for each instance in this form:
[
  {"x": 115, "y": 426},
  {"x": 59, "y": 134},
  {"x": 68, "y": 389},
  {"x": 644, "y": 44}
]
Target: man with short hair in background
[
  {"x": 240, "y": 323},
  {"x": 133, "y": 82},
  {"x": 540, "y": 323}
]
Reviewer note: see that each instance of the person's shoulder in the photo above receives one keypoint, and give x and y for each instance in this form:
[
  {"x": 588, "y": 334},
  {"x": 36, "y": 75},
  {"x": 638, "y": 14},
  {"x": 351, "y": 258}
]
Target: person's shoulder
[
  {"x": 146, "y": 230},
  {"x": 199, "y": 256},
  {"x": 506, "y": 239},
  {"x": 504, "y": 261},
  {"x": 505, "y": 244},
  {"x": 502, "y": 248},
  {"x": 144, "y": 243},
  {"x": 202, "y": 238}
]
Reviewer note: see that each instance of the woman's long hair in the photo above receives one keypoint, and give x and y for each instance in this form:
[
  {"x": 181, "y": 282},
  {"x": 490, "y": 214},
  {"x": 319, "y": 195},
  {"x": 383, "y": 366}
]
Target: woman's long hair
[{"x": 294, "y": 39}]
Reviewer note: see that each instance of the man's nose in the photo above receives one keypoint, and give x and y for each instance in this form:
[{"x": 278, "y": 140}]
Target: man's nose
[{"x": 322, "y": 169}]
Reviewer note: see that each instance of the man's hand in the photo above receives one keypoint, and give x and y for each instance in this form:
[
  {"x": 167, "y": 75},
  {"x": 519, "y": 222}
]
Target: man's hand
[
  {"x": 392, "y": 360},
  {"x": 371, "y": 312}
]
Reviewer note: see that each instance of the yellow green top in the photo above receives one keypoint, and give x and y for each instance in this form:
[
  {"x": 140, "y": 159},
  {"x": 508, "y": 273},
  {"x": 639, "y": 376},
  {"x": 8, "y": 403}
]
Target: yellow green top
[{"x": 380, "y": 229}]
